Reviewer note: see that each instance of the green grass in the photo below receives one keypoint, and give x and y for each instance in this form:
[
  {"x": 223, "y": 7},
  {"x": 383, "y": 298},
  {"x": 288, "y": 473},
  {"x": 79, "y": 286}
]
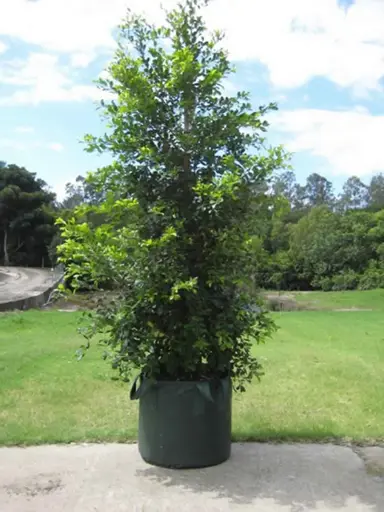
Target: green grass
[
  {"x": 324, "y": 379},
  {"x": 46, "y": 395},
  {"x": 370, "y": 299}
]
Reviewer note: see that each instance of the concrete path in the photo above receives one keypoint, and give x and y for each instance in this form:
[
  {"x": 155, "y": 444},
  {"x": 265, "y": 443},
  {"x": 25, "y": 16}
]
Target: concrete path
[
  {"x": 22, "y": 288},
  {"x": 258, "y": 478}
]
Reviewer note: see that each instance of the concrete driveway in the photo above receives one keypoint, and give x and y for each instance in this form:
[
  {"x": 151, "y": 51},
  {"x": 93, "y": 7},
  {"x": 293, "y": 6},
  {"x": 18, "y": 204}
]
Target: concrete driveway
[
  {"x": 22, "y": 288},
  {"x": 258, "y": 478}
]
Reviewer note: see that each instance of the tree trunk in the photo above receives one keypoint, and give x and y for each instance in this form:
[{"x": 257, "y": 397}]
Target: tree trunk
[
  {"x": 5, "y": 242},
  {"x": 187, "y": 129}
]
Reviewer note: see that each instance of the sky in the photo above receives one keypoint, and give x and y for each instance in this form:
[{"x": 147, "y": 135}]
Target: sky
[{"x": 322, "y": 61}]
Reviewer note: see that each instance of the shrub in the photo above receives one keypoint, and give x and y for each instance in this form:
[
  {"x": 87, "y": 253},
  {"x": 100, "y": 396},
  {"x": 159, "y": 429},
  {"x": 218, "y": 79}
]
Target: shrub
[
  {"x": 189, "y": 164},
  {"x": 324, "y": 283},
  {"x": 347, "y": 280},
  {"x": 373, "y": 277}
]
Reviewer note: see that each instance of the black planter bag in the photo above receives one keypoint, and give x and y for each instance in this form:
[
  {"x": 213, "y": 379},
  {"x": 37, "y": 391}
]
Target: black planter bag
[{"x": 184, "y": 424}]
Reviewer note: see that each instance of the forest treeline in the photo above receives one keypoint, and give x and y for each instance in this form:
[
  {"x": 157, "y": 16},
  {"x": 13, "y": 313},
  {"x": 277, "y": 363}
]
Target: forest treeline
[
  {"x": 315, "y": 239},
  {"x": 305, "y": 236}
]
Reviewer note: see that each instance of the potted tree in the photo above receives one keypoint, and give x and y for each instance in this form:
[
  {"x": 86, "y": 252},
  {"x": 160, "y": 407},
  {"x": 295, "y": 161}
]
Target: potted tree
[{"x": 175, "y": 235}]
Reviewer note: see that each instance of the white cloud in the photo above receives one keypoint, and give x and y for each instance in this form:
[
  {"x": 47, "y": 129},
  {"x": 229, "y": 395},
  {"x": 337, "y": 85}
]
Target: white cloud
[
  {"x": 56, "y": 146},
  {"x": 35, "y": 96},
  {"x": 296, "y": 40},
  {"x": 349, "y": 141},
  {"x": 3, "y": 47},
  {"x": 37, "y": 69},
  {"x": 81, "y": 60},
  {"x": 302, "y": 39},
  {"x": 24, "y": 129},
  {"x": 68, "y": 26},
  {"x": 81, "y": 29},
  {"x": 39, "y": 79}
]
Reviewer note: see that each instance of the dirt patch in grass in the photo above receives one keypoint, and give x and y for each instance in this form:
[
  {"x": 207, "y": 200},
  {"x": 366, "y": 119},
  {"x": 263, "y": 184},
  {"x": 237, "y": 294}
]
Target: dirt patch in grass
[
  {"x": 77, "y": 301},
  {"x": 275, "y": 302},
  {"x": 348, "y": 301},
  {"x": 346, "y": 310}
]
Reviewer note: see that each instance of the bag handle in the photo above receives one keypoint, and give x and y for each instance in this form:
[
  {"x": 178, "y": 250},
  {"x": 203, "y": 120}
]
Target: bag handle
[{"x": 135, "y": 390}]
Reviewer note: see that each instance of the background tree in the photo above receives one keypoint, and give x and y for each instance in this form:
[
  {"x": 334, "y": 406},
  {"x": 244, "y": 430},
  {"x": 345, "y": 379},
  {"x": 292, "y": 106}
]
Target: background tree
[
  {"x": 318, "y": 191},
  {"x": 300, "y": 200},
  {"x": 80, "y": 192},
  {"x": 275, "y": 216},
  {"x": 26, "y": 216},
  {"x": 283, "y": 185},
  {"x": 74, "y": 195},
  {"x": 376, "y": 192},
  {"x": 355, "y": 194}
]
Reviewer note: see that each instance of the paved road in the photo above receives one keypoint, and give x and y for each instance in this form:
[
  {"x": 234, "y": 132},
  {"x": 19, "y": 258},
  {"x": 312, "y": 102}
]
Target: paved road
[{"x": 258, "y": 478}]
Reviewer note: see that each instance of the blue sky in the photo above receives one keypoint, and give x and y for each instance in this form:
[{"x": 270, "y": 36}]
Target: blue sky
[{"x": 321, "y": 60}]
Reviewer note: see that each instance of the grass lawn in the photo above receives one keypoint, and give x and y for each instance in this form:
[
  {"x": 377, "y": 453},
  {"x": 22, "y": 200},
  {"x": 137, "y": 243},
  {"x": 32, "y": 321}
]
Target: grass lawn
[
  {"x": 324, "y": 379},
  {"x": 370, "y": 299}
]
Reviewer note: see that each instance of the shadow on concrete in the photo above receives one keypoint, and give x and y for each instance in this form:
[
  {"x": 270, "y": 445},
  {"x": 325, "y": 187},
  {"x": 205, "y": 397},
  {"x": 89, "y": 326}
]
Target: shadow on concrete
[{"x": 292, "y": 478}]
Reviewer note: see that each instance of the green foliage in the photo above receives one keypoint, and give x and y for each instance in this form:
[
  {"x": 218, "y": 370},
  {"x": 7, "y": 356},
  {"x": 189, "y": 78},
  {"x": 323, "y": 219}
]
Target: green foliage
[
  {"x": 373, "y": 277},
  {"x": 80, "y": 192},
  {"x": 179, "y": 200},
  {"x": 376, "y": 192},
  {"x": 326, "y": 247},
  {"x": 319, "y": 190},
  {"x": 346, "y": 280},
  {"x": 355, "y": 194},
  {"x": 26, "y": 217},
  {"x": 99, "y": 255}
]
